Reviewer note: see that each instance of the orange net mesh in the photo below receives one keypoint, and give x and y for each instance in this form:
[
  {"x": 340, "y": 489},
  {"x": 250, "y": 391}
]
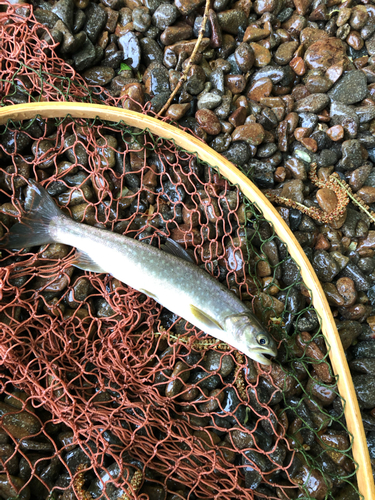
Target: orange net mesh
[{"x": 103, "y": 393}]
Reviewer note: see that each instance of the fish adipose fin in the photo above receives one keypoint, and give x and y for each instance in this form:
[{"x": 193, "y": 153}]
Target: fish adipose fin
[
  {"x": 204, "y": 318},
  {"x": 85, "y": 262},
  {"x": 34, "y": 228},
  {"x": 175, "y": 249}
]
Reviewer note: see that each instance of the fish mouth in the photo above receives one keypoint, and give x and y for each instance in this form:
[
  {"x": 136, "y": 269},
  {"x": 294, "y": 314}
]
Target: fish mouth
[{"x": 259, "y": 356}]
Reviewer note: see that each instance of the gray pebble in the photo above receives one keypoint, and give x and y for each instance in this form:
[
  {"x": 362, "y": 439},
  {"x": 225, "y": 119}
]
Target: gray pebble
[
  {"x": 238, "y": 153},
  {"x": 84, "y": 58},
  {"x": 165, "y": 15},
  {"x": 312, "y": 103},
  {"x": 151, "y": 52},
  {"x": 96, "y": 20},
  {"x": 141, "y": 19},
  {"x": 64, "y": 9},
  {"x": 351, "y": 154},
  {"x": 209, "y": 101},
  {"x": 364, "y": 386},
  {"x": 350, "y": 88}
]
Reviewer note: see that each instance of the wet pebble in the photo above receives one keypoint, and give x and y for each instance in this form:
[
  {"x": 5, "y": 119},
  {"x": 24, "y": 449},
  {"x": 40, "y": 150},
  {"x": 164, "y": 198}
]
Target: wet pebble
[
  {"x": 350, "y": 88},
  {"x": 99, "y": 75},
  {"x": 208, "y": 121}
]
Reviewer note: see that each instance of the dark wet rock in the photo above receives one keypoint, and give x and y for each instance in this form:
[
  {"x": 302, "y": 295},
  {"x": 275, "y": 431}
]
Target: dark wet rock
[
  {"x": 99, "y": 75},
  {"x": 217, "y": 362},
  {"x": 157, "y": 80},
  {"x": 84, "y": 58},
  {"x": 151, "y": 52},
  {"x": 244, "y": 57},
  {"x": 187, "y": 6},
  {"x": 217, "y": 80},
  {"x": 364, "y": 386},
  {"x": 291, "y": 274},
  {"x": 364, "y": 349},
  {"x": 350, "y": 88},
  {"x": 232, "y": 20},
  {"x": 46, "y": 17},
  {"x": 141, "y": 19},
  {"x": 158, "y": 101},
  {"x": 64, "y": 10},
  {"x": 312, "y": 104},
  {"x": 274, "y": 73},
  {"x": 365, "y": 113},
  {"x": 362, "y": 282},
  {"x": 96, "y": 20},
  {"x": 325, "y": 266},
  {"x": 351, "y": 154},
  {"x": 131, "y": 48},
  {"x": 165, "y": 15},
  {"x": 198, "y": 25},
  {"x": 238, "y": 153},
  {"x": 371, "y": 444}
]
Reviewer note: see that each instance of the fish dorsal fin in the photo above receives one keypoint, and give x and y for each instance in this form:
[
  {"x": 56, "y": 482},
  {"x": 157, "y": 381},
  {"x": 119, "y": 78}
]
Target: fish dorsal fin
[
  {"x": 175, "y": 249},
  {"x": 83, "y": 261},
  {"x": 204, "y": 318},
  {"x": 146, "y": 292}
]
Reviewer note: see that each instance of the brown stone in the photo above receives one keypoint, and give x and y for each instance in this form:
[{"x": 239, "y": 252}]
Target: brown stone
[
  {"x": 235, "y": 83},
  {"x": 293, "y": 190},
  {"x": 346, "y": 288},
  {"x": 280, "y": 174},
  {"x": 253, "y": 34},
  {"x": 310, "y": 35},
  {"x": 244, "y": 56},
  {"x": 335, "y": 133},
  {"x": 334, "y": 72},
  {"x": 295, "y": 24},
  {"x": 302, "y": 6},
  {"x": 173, "y": 34},
  {"x": 367, "y": 194},
  {"x": 301, "y": 132},
  {"x": 285, "y": 52},
  {"x": 208, "y": 121},
  {"x": 260, "y": 88},
  {"x": 261, "y": 54},
  {"x": 355, "y": 40},
  {"x": 309, "y": 144},
  {"x": 177, "y": 111},
  {"x": 187, "y": 6},
  {"x": 188, "y": 46},
  {"x": 253, "y": 133},
  {"x": 298, "y": 66},
  {"x": 323, "y": 244},
  {"x": 297, "y": 168},
  {"x": 343, "y": 16},
  {"x": 325, "y": 53},
  {"x": 130, "y": 93},
  {"x": 238, "y": 117},
  {"x": 327, "y": 199}
]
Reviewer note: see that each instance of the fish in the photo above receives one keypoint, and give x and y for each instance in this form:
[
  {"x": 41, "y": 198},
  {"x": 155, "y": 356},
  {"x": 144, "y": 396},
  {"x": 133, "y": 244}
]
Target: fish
[{"x": 167, "y": 275}]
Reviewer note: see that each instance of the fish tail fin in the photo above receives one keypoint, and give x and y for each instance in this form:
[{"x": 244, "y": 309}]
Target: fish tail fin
[{"x": 34, "y": 228}]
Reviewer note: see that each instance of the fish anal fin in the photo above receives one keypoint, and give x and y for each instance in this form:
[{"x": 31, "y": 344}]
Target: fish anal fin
[
  {"x": 83, "y": 261},
  {"x": 149, "y": 294},
  {"x": 205, "y": 318},
  {"x": 175, "y": 249}
]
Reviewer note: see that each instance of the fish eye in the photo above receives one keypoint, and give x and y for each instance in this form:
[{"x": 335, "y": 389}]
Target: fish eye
[{"x": 262, "y": 340}]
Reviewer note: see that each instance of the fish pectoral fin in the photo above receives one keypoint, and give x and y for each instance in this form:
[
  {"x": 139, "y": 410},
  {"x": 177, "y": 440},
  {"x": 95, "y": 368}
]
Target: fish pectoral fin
[
  {"x": 83, "y": 261},
  {"x": 146, "y": 292},
  {"x": 175, "y": 249},
  {"x": 205, "y": 318}
]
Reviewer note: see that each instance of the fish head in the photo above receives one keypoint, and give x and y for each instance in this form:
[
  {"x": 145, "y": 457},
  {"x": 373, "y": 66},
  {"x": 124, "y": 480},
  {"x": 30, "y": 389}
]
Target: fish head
[{"x": 250, "y": 337}]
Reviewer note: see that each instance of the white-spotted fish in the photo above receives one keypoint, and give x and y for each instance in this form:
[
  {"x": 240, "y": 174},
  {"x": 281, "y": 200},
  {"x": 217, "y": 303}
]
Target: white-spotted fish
[{"x": 167, "y": 276}]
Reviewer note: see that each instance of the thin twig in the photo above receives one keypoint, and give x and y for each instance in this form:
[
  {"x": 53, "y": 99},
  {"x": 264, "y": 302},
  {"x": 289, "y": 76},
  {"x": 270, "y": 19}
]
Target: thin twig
[{"x": 190, "y": 63}]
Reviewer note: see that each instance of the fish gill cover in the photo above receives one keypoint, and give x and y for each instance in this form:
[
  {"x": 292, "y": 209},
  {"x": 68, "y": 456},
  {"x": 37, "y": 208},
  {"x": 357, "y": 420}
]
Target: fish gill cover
[{"x": 104, "y": 394}]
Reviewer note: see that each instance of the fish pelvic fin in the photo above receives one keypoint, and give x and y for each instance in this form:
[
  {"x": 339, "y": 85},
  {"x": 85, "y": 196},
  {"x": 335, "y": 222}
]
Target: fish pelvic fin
[
  {"x": 83, "y": 261},
  {"x": 34, "y": 228},
  {"x": 204, "y": 318}
]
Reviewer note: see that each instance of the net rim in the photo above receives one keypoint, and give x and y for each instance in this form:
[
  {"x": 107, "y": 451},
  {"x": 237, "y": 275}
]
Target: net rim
[{"x": 192, "y": 144}]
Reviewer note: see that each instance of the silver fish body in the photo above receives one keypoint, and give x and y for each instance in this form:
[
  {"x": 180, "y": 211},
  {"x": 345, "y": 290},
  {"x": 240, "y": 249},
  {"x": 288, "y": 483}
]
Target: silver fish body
[{"x": 179, "y": 285}]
